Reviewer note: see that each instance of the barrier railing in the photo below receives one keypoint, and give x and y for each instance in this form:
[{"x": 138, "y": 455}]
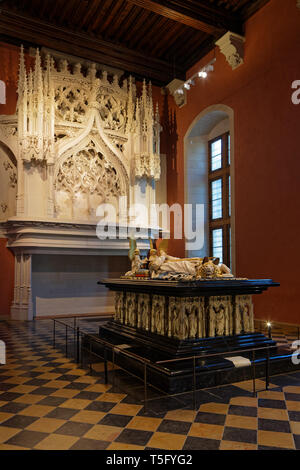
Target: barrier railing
[{"x": 146, "y": 363}]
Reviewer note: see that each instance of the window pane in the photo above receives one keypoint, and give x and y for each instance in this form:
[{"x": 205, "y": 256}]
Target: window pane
[
  {"x": 216, "y": 155},
  {"x": 217, "y": 243},
  {"x": 216, "y": 199},
  {"x": 228, "y": 143},
  {"x": 229, "y": 196}
]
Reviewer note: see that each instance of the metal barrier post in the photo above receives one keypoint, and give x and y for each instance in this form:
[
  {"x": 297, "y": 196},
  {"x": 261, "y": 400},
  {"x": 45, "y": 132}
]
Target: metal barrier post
[
  {"x": 90, "y": 360},
  {"x": 267, "y": 369},
  {"x": 105, "y": 366},
  {"x": 66, "y": 340},
  {"x": 253, "y": 372},
  {"x": 53, "y": 333},
  {"x": 77, "y": 345},
  {"x": 74, "y": 334},
  {"x": 194, "y": 383},
  {"x": 113, "y": 364},
  {"x": 145, "y": 386}
]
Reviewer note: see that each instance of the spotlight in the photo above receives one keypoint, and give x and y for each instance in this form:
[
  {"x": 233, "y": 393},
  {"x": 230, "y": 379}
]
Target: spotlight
[{"x": 202, "y": 74}]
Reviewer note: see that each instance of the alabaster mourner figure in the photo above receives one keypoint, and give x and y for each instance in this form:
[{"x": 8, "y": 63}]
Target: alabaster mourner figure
[{"x": 136, "y": 264}]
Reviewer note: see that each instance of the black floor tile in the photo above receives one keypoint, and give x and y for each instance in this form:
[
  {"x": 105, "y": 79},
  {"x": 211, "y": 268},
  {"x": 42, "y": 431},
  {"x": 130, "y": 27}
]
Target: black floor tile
[
  {"x": 242, "y": 410},
  {"x": 284, "y": 380},
  {"x": 292, "y": 396},
  {"x": 268, "y": 403},
  {"x": 52, "y": 401},
  {"x": 19, "y": 421},
  {"x": 61, "y": 413},
  {"x": 210, "y": 418},
  {"x": 293, "y": 415},
  {"x": 68, "y": 377},
  {"x": 271, "y": 448},
  {"x": 5, "y": 387},
  {"x": 133, "y": 436},
  {"x": 31, "y": 374},
  {"x": 27, "y": 439},
  {"x": 115, "y": 420},
  {"x": 13, "y": 407},
  {"x": 9, "y": 396},
  {"x": 174, "y": 427},
  {"x": 77, "y": 386},
  {"x": 87, "y": 395},
  {"x": 150, "y": 413},
  {"x": 37, "y": 382},
  {"x": 43, "y": 390},
  {"x": 198, "y": 443},
  {"x": 240, "y": 435},
  {"x": 89, "y": 444},
  {"x": 273, "y": 425},
  {"x": 100, "y": 406},
  {"x": 73, "y": 428}
]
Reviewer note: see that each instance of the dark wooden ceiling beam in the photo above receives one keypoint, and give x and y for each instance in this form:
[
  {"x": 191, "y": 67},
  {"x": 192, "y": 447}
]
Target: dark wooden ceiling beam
[
  {"x": 32, "y": 31},
  {"x": 198, "y": 14},
  {"x": 107, "y": 16},
  {"x": 140, "y": 22},
  {"x": 149, "y": 24},
  {"x": 249, "y": 10}
]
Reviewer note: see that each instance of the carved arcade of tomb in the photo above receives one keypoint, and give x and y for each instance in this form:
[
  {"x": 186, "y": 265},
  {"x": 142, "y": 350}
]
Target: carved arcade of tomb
[{"x": 185, "y": 317}]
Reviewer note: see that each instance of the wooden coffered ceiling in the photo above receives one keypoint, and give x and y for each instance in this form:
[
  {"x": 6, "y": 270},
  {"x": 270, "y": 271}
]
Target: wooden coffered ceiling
[{"x": 158, "y": 40}]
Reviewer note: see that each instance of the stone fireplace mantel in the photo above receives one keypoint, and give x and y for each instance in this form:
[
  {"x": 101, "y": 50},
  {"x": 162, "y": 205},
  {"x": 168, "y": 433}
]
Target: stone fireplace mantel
[{"x": 45, "y": 249}]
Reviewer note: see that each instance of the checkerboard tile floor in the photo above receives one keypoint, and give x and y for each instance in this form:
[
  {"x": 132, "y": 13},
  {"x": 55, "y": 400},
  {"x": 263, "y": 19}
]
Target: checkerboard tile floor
[{"x": 47, "y": 401}]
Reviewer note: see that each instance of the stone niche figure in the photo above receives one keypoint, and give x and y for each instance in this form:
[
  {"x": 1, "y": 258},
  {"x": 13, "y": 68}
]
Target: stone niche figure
[
  {"x": 193, "y": 323},
  {"x": 143, "y": 312},
  {"x": 220, "y": 321},
  {"x": 175, "y": 322}
]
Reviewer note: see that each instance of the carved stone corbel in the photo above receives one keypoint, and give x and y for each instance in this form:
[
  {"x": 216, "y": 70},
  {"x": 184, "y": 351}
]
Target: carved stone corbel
[
  {"x": 179, "y": 97},
  {"x": 232, "y": 46}
]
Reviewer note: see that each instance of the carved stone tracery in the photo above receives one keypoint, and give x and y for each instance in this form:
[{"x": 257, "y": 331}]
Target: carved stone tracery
[
  {"x": 59, "y": 108},
  {"x": 88, "y": 171}
]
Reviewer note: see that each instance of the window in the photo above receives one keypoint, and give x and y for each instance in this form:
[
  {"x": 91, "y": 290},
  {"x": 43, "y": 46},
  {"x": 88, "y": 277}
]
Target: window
[{"x": 220, "y": 198}]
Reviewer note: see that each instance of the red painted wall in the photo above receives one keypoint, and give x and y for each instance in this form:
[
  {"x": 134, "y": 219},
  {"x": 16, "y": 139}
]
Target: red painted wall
[
  {"x": 266, "y": 150},
  {"x": 6, "y": 278},
  {"x": 266, "y": 143},
  {"x": 9, "y": 58}
]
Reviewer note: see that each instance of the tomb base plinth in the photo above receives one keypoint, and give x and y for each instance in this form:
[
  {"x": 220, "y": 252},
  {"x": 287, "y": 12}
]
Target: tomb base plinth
[{"x": 189, "y": 333}]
